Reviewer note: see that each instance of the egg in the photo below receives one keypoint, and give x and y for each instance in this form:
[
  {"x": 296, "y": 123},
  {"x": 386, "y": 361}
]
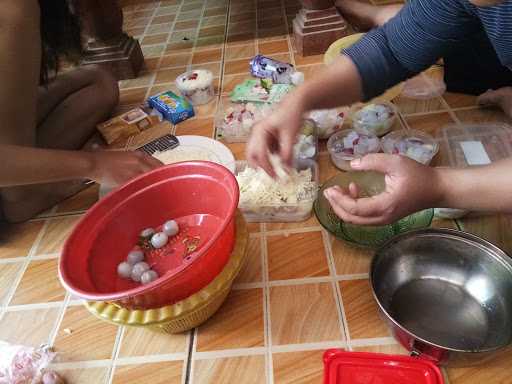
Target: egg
[
  {"x": 147, "y": 233},
  {"x": 124, "y": 270},
  {"x": 135, "y": 256},
  {"x": 138, "y": 270},
  {"x": 170, "y": 228},
  {"x": 148, "y": 277},
  {"x": 159, "y": 240}
]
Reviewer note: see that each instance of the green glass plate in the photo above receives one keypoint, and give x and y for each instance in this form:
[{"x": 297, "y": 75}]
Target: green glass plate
[{"x": 370, "y": 184}]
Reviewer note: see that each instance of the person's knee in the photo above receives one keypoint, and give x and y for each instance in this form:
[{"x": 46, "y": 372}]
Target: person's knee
[{"x": 107, "y": 86}]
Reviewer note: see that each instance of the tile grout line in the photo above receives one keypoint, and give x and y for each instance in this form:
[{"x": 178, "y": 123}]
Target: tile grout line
[
  {"x": 332, "y": 279},
  {"x": 185, "y": 374},
  {"x": 339, "y": 297},
  {"x": 115, "y": 353},
  {"x": 267, "y": 324},
  {"x": 288, "y": 39},
  {"x": 58, "y": 322},
  {"x": 193, "y": 355},
  {"x": 24, "y": 268},
  {"x": 153, "y": 78}
]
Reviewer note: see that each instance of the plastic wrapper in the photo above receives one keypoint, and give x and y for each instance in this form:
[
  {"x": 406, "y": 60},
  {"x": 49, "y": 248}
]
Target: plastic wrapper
[{"x": 26, "y": 365}]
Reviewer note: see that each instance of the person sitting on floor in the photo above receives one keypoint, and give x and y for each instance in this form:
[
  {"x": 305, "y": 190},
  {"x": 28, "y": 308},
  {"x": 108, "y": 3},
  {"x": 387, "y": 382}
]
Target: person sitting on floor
[
  {"x": 47, "y": 119},
  {"x": 474, "y": 38}
]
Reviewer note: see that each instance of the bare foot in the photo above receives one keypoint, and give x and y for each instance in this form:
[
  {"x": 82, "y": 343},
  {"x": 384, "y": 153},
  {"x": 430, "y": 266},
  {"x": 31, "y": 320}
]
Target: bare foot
[
  {"x": 364, "y": 16},
  {"x": 501, "y": 97}
]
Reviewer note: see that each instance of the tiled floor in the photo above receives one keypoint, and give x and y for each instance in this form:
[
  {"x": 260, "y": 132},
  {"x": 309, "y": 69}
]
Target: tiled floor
[{"x": 302, "y": 291}]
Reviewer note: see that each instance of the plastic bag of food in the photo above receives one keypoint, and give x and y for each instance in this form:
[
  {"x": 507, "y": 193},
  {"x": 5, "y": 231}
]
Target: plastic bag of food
[{"x": 26, "y": 365}]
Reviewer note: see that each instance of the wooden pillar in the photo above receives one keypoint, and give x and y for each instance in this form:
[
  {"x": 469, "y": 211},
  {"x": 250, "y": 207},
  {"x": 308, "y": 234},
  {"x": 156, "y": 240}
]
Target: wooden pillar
[
  {"x": 317, "y": 25},
  {"x": 103, "y": 40}
]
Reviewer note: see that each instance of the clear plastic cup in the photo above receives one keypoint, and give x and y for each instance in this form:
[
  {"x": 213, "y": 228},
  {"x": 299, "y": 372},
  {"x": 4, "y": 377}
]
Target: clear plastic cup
[
  {"x": 360, "y": 145},
  {"x": 196, "y": 86},
  {"x": 416, "y": 145},
  {"x": 375, "y": 119}
]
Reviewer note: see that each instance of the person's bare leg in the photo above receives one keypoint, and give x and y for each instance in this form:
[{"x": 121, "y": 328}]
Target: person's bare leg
[
  {"x": 365, "y": 16},
  {"x": 501, "y": 97},
  {"x": 68, "y": 111}
]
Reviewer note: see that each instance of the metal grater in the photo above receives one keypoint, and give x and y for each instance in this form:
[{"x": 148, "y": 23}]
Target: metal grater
[{"x": 164, "y": 143}]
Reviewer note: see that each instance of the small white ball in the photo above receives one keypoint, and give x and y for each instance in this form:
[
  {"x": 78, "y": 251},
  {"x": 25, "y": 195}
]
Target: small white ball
[
  {"x": 171, "y": 228},
  {"x": 138, "y": 270},
  {"x": 147, "y": 233},
  {"x": 135, "y": 256},
  {"x": 148, "y": 277},
  {"x": 124, "y": 270},
  {"x": 159, "y": 240}
]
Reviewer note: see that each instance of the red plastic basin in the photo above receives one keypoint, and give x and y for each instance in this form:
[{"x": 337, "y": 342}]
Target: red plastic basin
[{"x": 201, "y": 196}]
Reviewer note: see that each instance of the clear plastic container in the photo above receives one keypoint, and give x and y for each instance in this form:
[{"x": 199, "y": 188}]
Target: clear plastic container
[
  {"x": 328, "y": 121},
  {"x": 196, "y": 86},
  {"x": 465, "y": 145},
  {"x": 234, "y": 121},
  {"x": 342, "y": 153},
  {"x": 307, "y": 141},
  {"x": 416, "y": 145},
  {"x": 424, "y": 87},
  {"x": 375, "y": 119},
  {"x": 282, "y": 213}
]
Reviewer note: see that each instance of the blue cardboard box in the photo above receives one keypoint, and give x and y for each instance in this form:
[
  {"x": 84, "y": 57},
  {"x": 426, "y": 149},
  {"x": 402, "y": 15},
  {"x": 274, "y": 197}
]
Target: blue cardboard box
[{"x": 173, "y": 107}]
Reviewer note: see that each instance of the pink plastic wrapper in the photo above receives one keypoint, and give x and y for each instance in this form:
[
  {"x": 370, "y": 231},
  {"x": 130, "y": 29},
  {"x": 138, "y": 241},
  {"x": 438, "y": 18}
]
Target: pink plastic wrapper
[{"x": 26, "y": 365}]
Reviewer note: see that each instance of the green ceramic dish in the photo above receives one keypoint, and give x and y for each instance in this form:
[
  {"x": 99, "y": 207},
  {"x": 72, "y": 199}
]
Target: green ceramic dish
[{"x": 370, "y": 184}]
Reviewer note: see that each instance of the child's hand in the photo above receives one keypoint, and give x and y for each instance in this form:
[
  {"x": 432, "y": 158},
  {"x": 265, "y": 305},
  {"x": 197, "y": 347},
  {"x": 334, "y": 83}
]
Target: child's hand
[{"x": 114, "y": 168}]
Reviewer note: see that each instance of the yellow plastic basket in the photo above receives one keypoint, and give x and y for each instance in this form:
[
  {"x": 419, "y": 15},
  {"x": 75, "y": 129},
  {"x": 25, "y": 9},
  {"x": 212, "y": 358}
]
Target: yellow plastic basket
[{"x": 190, "y": 312}]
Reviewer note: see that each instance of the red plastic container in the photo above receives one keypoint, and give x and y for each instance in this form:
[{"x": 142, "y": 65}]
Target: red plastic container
[
  {"x": 201, "y": 196},
  {"x": 343, "y": 367}
]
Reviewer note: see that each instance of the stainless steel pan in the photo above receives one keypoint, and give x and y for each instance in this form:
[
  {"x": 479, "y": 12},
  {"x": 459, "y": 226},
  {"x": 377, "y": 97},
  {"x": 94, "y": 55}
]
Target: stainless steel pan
[{"x": 446, "y": 294}]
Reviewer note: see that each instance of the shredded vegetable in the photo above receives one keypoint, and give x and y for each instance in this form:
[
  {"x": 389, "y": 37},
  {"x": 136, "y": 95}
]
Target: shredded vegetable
[{"x": 257, "y": 188}]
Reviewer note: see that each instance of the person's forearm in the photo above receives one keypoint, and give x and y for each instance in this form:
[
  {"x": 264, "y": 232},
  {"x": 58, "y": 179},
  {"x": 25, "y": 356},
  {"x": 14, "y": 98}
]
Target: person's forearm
[
  {"x": 338, "y": 84},
  {"x": 25, "y": 165},
  {"x": 487, "y": 188}
]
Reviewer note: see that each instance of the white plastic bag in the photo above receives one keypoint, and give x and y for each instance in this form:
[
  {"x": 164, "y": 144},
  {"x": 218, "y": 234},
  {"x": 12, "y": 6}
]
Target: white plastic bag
[{"x": 25, "y": 365}]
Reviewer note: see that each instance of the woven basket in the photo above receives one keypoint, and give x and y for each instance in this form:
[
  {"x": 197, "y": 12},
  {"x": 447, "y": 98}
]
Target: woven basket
[{"x": 190, "y": 312}]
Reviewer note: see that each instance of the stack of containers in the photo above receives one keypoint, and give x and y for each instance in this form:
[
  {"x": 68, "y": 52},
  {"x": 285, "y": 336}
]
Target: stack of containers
[{"x": 195, "y": 268}]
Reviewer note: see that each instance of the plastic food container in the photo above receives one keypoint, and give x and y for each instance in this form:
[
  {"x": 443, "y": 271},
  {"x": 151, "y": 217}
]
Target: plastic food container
[
  {"x": 307, "y": 141},
  {"x": 201, "y": 196},
  {"x": 424, "y": 87},
  {"x": 196, "y": 86},
  {"x": 283, "y": 212},
  {"x": 328, "y": 121},
  {"x": 374, "y": 119},
  {"x": 416, "y": 145},
  {"x": 466, "y": 145},
  {"x": 342, "y": 367},
  {"x": 234, "y": 121},
  {"x": 347, "y": 145}
]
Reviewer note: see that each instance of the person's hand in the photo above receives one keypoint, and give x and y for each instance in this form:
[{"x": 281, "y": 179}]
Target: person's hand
[
  {"x": 410, "y": 187},
  {"x": 501, "y": 97},
  {"x": 275, "y": 134},
  {"x": 114, "y": 168}
]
